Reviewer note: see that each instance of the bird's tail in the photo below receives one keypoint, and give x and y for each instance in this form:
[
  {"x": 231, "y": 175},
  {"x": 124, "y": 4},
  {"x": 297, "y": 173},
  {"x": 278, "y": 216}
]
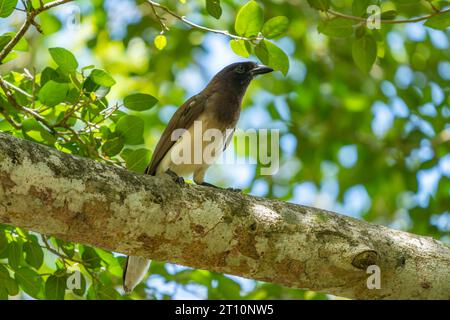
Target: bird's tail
[{"x": 135, "y": 270}]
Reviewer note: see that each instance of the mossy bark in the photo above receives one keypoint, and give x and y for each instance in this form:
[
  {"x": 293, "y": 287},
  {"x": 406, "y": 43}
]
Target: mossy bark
[{"x": 80, "y": 200}]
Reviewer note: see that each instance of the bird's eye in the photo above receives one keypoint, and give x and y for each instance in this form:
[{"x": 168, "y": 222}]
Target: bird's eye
[{"x": 240, "y": 69}]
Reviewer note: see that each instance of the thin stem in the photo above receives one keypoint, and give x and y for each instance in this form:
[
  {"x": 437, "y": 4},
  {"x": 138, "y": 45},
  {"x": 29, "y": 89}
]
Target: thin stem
[
  {"x": 76, "y": 107},
  {"x": 33, "y": 100},
  {"x": 16, "y": 125},
  {"x": 16, "y": 105},
  {"x": 196, "y": 26},
  {"x": 360, "y": 19},
  {"x": 160, "y": 19},
  {"x": 17, "y": 89},
  {"x": 26, "y": 25}
]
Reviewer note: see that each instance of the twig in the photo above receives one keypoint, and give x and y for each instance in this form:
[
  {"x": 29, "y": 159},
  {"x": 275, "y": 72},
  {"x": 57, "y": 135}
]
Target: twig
[
  {"x": 16, "y": 105},
  {"x": 33, "y": 100},
  {"x": 76, "y": 107},
  {"x": 31, "y": 15},
  {"x": 9, "y": 94},
  {"x": 360, "y": 19},
  {"x": 160, "y": 19},
  {"x": 16, "y": 125},
  {"x": 435, "y": 9},
  {"x": 65, "y": 257},
  {"x": 196, "y": 26},
  {"x": 17, "y": 89}
]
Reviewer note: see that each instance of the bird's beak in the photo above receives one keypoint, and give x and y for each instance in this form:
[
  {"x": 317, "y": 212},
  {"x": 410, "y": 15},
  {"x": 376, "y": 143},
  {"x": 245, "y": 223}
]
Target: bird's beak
[{"x": 260, "y": 69}]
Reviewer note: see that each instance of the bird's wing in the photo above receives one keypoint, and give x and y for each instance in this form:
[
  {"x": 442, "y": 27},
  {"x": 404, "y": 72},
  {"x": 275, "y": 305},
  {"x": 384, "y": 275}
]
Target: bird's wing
[{"x": 183, "y": 118}]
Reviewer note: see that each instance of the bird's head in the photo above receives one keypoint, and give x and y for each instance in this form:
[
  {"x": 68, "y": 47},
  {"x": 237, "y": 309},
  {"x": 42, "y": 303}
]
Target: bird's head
[{"x": 238, "y": 75}]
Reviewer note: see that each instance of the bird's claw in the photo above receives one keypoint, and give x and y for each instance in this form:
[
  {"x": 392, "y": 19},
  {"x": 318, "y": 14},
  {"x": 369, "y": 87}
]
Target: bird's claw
[
  {"x": 210, "y": 185},
  {"x": 176, "y": 178},
  {"x": 206, "y": 184},
  {"x": 179, "y": 180}
]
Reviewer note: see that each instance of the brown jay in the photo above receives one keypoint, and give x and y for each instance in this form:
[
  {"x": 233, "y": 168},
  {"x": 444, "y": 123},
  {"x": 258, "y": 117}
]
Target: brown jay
[{"x": 217, "y": 106}]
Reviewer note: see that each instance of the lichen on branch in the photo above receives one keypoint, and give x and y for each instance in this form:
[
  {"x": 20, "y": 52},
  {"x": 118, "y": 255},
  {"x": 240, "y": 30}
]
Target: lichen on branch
[{"x": 84, "y": 201}]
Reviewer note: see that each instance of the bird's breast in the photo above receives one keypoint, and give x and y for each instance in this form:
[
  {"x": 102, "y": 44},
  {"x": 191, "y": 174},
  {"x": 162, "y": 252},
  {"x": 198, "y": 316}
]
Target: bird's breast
[
  {"x": 197, "y": 147},
  {"x": 223, "y": 110}
]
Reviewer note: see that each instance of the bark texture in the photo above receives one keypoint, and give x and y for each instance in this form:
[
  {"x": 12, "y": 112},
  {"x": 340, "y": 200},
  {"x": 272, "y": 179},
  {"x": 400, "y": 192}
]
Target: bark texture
[{"x": 77, "y": 199}]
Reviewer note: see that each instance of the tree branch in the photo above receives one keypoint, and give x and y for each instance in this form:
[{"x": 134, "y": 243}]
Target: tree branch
[
  {"x": 361, "y": 19},
  {"x": 80, "y": 200},
  {"x": 31, "y": 15},
  {"x": 183, "y": 19}
]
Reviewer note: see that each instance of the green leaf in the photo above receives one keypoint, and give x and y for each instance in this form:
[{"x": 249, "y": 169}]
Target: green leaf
[
  {"x": 202, "y": 277},
  {"x": 114, "y": 266},
  {"x": 239, "y": 47},
  {"x": 82, "y": 289},
  {"x": 53, "y": 93},
  {"x": 336, "y": 27},
  {"x": 102, "y": 78},
  {"x": 138, "y": 160},
  {"x": 91, "y": 257},
  {"x": 364, "y": 52},
  {"x": 31, "y": 124},
  {"x": 359, "y": 7},
  {"x": 14, "y": 254},
  {"x": 360, "y": 31},
  {"x": 228, "y": 288},
  {"x": 3, "y": 293},
  {"x": 271, "y": 55},
  {"x": 91, "y": 66},
  {"x": 214, "y": 9},
  {"x": 21, "y": 45},
  {"x": 29, "y": 280},
  {"x": 55, "y": 287},
  {"x": 48, "y": 74},
  {"x": 11, "y": 56},
  {"x": 3, "y": 242},
  {"x": 8, "y": 283},
  {"x": 64, "y": 59},
  {"x": 139, "y": 101},
  {"x": 67, "y": 247},
  {"x": 113, "y": 146},
  {"x": 7, "y": 7},
  {"x": 91, "y": 87},
  {"x": 4, "y": 39},
  {"x": 389, "y": 15},
  {"x": 249, "y": 19},
  {"x": 106, "y": 293},
  {"x": 322, "y": 5},
  {"x": 160, "y": 42},
  {"x": 49, "y": 23},
  {"x": 275, "y": 27},
  {"x": 131, "y": 128},
  {"x": 34, "y": 255},
  {"x": 439, "y": 22}
]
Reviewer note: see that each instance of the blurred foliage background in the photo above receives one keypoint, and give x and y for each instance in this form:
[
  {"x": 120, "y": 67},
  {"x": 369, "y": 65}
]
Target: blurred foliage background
[{"x": 363, "y": 115}]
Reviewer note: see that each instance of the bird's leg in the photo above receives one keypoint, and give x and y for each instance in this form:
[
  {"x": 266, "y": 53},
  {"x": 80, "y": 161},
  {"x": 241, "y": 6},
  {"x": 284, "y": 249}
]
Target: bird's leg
[
  {"x": 234, "y": 189},
  {"x": 176, "y": 178},
  {"x": 206, "y": 184}
]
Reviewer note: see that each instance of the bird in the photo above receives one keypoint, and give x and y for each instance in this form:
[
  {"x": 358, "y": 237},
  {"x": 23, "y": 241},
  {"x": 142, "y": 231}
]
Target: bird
[{"x": 218, "y": 107}]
